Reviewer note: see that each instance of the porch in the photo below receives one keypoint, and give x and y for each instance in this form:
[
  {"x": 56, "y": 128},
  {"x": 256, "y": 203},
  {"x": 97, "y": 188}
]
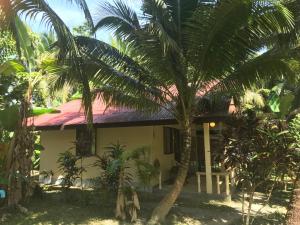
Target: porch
[
  {"x": 207, "y": 174},
  {"x": 222, "y": 185}
]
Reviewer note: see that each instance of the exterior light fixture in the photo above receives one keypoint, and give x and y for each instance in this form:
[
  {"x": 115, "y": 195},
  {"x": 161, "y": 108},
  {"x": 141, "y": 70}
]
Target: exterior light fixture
[{"x": 212, "y": 124}]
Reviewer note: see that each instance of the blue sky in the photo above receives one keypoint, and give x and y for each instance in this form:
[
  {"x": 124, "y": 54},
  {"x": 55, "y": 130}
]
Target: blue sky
[{"x": 73, "y": 16}]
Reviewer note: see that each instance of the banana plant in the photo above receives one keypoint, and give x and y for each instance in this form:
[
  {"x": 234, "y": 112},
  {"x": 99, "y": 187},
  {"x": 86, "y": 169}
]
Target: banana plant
[{"x": 280, "y": 100}]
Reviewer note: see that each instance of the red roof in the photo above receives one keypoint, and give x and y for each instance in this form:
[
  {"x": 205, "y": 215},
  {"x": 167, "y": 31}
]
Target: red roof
[{"x": 72, "y": 114}]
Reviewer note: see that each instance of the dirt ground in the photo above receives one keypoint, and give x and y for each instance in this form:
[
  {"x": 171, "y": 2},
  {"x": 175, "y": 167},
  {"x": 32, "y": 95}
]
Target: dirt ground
[{"x": 93, "y": 207}]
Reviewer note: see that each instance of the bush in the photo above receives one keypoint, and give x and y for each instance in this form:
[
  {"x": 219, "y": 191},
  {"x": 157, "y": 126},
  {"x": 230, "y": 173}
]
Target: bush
[
  {"x": 261, "y": 150},
  {"x": 68, "y": 165},
  {"x": 117, "y": 178}
]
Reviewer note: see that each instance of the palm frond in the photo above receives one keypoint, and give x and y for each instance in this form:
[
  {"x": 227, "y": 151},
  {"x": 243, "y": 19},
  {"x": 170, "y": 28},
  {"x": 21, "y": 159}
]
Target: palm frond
[
  {"x": 118, "y": 17},
  {"x": 253, "y": 98},
  {"x": 115, "y": 97},
  {"x": 98, "y": 51},
  {"x": 269, "y": 65},
  {"x": 162, "y": 24},
  {"x": 234, "y": 31},
  {"x": 84, "y": 7},
  {"x": 31, "y": 8}
]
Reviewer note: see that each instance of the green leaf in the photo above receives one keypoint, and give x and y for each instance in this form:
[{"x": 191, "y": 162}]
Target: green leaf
[
  {"x": 11, "y": 67},
  {"x": 274, "y": 102},
  {"x": 285, "y": 103},
  {"x": 278, "y": 88},
  {"x": 40, "y": 111},
  {"x": 9, "y": 118},
  {"x": 38, "y": 147},
  {"x": 274, "y": 98},
  {"x": 24, "y": 39}
]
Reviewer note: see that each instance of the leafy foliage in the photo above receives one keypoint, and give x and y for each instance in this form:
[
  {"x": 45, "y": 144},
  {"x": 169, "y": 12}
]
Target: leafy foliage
[
  {"x": 109, "y": 176},
  {"x": 3, "y": 180},
  {"x": 7, "y": 46},
  {"x": 294, "y": 128},
  {"x": 276, "y": 97},
  {"x": 117, "y": 166},
  {"x": 261, "y": 150},
  {"x": 9, "y": 118},
  {"x": 40, "y": 111},
  {"x": 280, "y": 101},
  {"x": 83, "y": 30},
  {"x": 68, "y": 165},
  {"x": 67, "y": 49},
  {"x": 115, "y": 159},
  {"x": 147, "y": 172}
]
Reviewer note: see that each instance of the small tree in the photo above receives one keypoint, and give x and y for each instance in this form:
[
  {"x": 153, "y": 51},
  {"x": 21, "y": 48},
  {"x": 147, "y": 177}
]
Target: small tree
[
  {"x": 109, "y": 177},
  {"x": 147, "y": 172},
  {"x": 261, "y": 151},
  {"x": 118, "y": 166},
  {"x": 68, "y": 165}
]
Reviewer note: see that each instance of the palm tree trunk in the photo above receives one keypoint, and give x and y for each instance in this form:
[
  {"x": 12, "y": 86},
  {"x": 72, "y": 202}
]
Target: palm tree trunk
[
  {"x": 163, "y": 208},
  {"x": 293, "y": 213},
  {"x": 120, "y": 203},
  {"x": 19, "y": 163}
]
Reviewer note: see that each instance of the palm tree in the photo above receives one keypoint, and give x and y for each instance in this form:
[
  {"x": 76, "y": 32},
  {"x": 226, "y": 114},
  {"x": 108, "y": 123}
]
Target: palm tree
[
  {"x": 178, "y": 48},
  {"x": 10, "y": 10},
  {"x": 68, "y": 50}
]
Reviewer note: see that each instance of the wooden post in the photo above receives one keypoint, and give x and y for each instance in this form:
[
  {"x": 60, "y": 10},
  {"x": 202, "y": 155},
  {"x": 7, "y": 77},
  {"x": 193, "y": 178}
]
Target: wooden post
[
  {"x": 207, "y": 158},
  {"x": 232, "y": 181},
  {"x": 159, "y": 181},
  {"x": 227, "y": 184},
  {"x": 285, "y": 186},
  {"x": 218, "y": 185},
  {"x": 228, "y": 196},
  {"x": 199, "y": 182}
]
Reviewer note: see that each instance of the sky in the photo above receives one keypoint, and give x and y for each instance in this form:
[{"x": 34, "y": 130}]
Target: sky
[{"x": 73, "y": 16}]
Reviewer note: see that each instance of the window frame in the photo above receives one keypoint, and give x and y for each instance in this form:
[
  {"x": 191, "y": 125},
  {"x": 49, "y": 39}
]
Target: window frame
[
  {"x": 92, "y": 151},
  {"x": 172, "y": 140}
]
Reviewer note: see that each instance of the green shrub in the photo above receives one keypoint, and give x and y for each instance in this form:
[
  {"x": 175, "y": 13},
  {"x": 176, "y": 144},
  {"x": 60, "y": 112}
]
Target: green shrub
[{"x": 68, "y": 165}]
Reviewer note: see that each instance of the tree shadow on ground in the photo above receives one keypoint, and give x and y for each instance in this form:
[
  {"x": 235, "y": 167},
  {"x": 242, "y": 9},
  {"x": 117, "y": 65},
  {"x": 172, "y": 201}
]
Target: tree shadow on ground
[
  {"x": 275, "y": 218},
  {"x": 78, "y": 207},
  {"x": 205, "y": 214},
  {"x": 64, "y": 208}
]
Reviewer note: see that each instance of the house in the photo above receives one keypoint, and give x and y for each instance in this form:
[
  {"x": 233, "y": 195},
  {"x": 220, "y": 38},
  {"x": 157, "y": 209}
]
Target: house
[{"x": 158, "y": 132}]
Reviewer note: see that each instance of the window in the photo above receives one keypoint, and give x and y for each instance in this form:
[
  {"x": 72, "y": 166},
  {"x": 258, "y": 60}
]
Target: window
[
  {"x": 85, "y": 141},
  {"x": 172, "y": 141}
]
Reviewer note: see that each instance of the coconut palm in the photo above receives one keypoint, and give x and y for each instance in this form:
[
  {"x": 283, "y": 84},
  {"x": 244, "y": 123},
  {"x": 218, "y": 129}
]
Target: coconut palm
[
  {"x": 177, "y": 49},
  {"x": 10, "y": 10}
]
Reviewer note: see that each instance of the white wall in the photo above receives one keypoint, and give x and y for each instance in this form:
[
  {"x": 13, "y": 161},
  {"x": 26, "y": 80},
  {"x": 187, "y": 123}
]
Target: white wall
[{"x": 56, "y": 142}]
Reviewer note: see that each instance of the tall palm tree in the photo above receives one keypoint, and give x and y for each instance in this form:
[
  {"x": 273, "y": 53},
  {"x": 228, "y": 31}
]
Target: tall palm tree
[
  {"x": 178, "y": 48},
  {"x": 10, "y": 10}
]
